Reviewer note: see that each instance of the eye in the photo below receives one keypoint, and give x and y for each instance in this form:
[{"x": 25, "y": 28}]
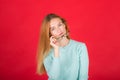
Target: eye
[
  {"x": 60, "y": 24},
  {"x": 51, "y": 29}
]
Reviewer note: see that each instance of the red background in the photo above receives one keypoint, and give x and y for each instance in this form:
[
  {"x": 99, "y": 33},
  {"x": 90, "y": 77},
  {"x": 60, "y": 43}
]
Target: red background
[{"x": 94, "y": 22}]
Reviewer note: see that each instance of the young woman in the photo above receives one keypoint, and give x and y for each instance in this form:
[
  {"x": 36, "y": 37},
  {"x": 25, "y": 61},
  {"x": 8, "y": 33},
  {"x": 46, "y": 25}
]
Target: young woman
[{"x": 61, "y": 57}]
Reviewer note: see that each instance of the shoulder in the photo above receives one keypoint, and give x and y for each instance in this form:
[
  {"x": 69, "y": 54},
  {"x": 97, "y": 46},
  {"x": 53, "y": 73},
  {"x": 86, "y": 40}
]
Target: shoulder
[
  {"x": 49, "y": 55},
  {"x": 78, "y": 43},
  {"x": 80, "y": 48}
]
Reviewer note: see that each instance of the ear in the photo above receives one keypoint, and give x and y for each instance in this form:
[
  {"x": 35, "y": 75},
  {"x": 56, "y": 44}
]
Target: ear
[{"x": 64, "y": 25}]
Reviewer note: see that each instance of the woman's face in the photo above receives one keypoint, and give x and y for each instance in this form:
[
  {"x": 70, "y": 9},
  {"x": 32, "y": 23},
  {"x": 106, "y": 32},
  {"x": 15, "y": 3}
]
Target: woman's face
[{"x": 57, "y": 28}]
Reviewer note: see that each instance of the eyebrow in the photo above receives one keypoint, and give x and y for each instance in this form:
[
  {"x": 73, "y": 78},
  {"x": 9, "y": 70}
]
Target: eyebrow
[{"x": 57, "y": 24}]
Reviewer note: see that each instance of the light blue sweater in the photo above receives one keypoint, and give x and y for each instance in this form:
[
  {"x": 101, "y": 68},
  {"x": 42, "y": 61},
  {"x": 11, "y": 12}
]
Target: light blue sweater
[{"x": 72, "y": 64}]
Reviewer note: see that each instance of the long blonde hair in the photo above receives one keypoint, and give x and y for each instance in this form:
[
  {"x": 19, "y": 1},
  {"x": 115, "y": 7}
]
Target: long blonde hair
[{"x": 44, "y": 41}]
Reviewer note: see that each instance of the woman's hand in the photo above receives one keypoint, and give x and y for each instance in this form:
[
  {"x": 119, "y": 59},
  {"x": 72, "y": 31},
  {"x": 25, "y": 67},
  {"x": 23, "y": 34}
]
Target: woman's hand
[{"x": 53, "y": 42}]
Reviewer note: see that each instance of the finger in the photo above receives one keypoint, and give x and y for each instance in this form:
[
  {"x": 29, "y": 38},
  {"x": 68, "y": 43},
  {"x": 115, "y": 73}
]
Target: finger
[{"x": 52, "y": 39}]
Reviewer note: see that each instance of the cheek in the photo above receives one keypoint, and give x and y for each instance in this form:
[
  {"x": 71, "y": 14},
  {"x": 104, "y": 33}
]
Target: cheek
[
  {"x": 63, "y": 29},
  {"x": 53, "y": 33}
]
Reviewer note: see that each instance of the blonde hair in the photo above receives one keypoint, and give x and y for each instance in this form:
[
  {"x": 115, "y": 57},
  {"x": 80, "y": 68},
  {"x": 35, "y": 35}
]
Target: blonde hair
[{"x": 44, "y": 41}]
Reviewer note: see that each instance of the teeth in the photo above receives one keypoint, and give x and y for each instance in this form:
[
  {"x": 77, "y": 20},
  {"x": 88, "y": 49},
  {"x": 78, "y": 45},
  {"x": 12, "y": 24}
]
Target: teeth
[{"x": 62, "y": 36}]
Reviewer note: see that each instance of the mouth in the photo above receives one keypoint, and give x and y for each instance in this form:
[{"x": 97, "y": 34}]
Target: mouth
[{"x": 61, "y": 35}]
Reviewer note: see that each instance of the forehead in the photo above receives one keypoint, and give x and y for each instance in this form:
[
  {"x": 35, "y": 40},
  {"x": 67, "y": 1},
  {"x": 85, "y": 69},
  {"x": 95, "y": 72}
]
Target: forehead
[{"x": 55, "y": 21}]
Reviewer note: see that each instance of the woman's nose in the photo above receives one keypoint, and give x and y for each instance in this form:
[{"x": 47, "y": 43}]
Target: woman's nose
[{"x": 58, "y": 30}]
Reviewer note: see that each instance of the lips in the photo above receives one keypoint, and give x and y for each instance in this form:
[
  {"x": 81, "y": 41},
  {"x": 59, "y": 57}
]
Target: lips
[{"x": 60, "y": 33}]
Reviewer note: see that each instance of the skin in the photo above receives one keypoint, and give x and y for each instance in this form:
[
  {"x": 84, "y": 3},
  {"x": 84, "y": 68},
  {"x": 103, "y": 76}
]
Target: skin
[{"x": 57, "y": 29}]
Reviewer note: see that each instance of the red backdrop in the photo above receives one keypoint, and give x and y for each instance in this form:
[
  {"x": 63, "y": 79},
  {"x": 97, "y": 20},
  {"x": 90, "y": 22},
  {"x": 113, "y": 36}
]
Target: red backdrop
[{"x": 94, "y": 22}]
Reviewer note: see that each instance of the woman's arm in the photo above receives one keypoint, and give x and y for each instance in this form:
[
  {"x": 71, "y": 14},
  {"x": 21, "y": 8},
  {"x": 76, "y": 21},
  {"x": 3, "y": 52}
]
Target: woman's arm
[
  {"x": 84, "y": 63},
  {"x": 52, "y": 66}
]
